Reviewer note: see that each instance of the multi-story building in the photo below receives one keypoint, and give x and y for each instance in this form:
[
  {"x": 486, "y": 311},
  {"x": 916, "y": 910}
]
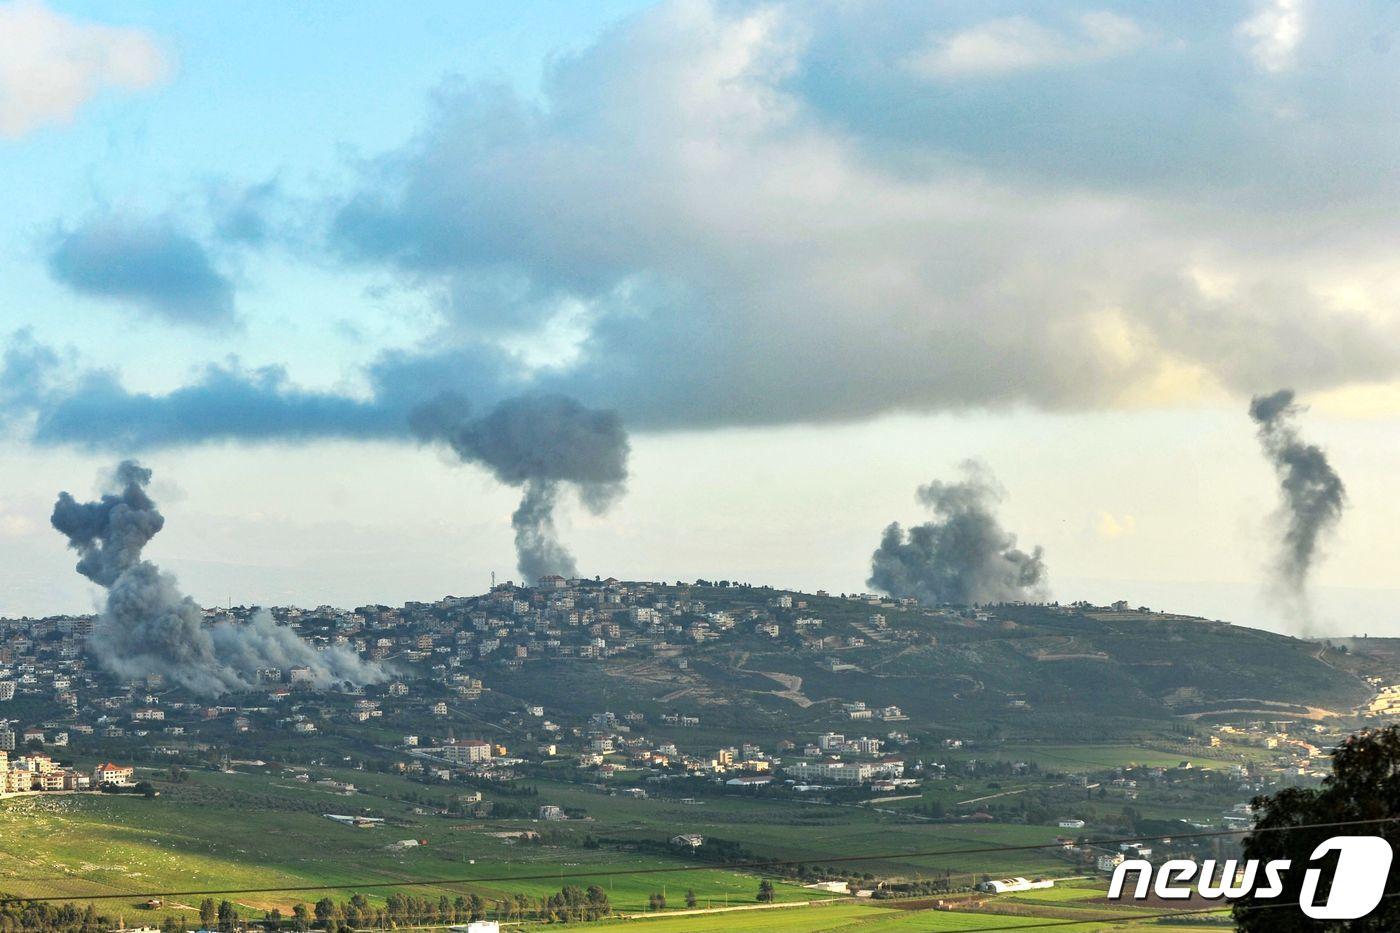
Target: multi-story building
[{"x": 464, "y": 751}]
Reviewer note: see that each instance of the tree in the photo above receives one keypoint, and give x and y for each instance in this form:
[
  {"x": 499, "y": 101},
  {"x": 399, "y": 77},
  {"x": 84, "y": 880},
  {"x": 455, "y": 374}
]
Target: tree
[
  {"x": 274, "y": 917},
  {"x": 1364, "y": 785},
  {"x": 765, "y": 891},
  {"x": 301, "y": 916},
  {"x": 596, "y": 902},
  {"x": 228, "y": 917},
  {"x": 690, "y": 899},
  {"x": 208, "y": 913}
]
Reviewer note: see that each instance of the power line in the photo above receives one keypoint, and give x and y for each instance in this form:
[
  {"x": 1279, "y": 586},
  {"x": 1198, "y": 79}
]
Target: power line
[{"x": 671, "y": 869}]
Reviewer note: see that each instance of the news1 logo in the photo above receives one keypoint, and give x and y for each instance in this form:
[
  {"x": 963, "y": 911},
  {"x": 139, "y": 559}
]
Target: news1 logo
[{"x": 1358, "y": 884}]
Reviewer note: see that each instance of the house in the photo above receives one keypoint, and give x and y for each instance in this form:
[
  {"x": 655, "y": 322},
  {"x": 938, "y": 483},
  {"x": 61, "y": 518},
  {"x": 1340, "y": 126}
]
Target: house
[
  {"x": 1009, "y": 885},
  {"x": 688, "y": 840},
  {"x": 749, "y": 780},
  {"x": 113, "y": 774},
  {"x": 1071, "y": 824},
  {"x": 1106, "y": 863},
  {"x": 551, "y": 812}
]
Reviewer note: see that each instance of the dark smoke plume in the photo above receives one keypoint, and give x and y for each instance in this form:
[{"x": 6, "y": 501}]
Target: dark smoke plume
[
  {"x": 539, "y": 442},
  {"x": 148, "y": 627},
  {"x": 963, "y": 556},
  {"x": 1313, "y": 494}
]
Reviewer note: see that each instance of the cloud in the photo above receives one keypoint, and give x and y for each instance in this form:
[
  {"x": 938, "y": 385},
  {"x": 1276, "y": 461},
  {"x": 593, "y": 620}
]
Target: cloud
[
  {"x": 1274, "y": 33},
  {"x": 225, "y": 402},
  {"x": 148, "y": 263},
  {"x": 51, "y": 65},
  {"x": 726, "y": 215},
  {"x": 229, "y": 402},
  {"x": 242, "y": 213},
  {"x": 1018, "y": 43},
  {"x": 740, "y": 258}
]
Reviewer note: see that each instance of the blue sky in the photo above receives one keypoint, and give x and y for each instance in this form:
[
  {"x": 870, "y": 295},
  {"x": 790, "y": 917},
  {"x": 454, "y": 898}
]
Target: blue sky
[{"x": 1070, "y": 239}]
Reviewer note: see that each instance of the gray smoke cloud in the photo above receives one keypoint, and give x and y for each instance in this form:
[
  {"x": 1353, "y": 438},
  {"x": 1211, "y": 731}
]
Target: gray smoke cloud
[
  {"x": 1312, "y": 494},
  {"x": 963, "y": 556},
  {"x": 149, "y": 627},
  {"x": 539, "y": 442}
]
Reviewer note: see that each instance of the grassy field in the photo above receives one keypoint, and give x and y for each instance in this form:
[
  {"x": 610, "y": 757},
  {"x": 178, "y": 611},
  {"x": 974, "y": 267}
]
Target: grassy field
[
  {"x": 73, "y": 846},
  {"x": 265, "y": 830},
  {"x": 221, "y": 831},
  {"x": 872, "y": 919},
  {"x": 1091, "y": 757}
]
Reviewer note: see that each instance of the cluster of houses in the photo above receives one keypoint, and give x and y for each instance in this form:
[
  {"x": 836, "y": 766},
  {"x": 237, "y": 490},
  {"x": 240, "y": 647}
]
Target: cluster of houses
[
  {"x": 510, "y": 625},
  {"x": 37, "y": 773}
]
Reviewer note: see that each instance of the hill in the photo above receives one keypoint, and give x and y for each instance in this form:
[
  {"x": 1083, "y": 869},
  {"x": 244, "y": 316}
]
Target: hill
[{"x": 765, "y": 660}]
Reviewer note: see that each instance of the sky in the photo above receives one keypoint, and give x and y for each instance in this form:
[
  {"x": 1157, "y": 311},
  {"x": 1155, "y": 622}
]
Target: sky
[{"x": 813, "y": 255}]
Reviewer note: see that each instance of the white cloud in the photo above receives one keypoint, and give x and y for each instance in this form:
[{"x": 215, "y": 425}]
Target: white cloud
[
  {"x": 716, "y": 230},
  {"x": 1016, "y": 43},
  {"x": 1274, "y": 33},
  {"x": 51, "y": 65}
]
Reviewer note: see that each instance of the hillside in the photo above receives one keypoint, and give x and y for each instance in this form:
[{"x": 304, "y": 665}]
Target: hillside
[{"x": 1011, "y": 669}]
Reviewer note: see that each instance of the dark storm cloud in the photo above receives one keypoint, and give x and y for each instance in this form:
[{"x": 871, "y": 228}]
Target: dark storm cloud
[
  {"x": 1313, "y": 495},
  {"x": 963, "y": 556},
  {"x": 148, "y": 263},
  {"x": 147, "y": 626}
]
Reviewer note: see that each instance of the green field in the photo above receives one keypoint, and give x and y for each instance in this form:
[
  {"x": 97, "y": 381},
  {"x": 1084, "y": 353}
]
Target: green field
[
  {"x": 871, "y": 919},
  {"x": 222, "y": 831},
  {"x": 262, "y": 829},
  {"x": 72, "y": 846}
]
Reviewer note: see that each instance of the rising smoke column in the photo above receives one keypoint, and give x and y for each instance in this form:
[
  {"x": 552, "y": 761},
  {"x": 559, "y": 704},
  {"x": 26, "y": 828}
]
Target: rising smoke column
[
  {"x": 963, "y": 556},
  {"x": 1313, "y": 495},
  {"x": 538, "y": 442},
  {"x": 149, "y": 627}
]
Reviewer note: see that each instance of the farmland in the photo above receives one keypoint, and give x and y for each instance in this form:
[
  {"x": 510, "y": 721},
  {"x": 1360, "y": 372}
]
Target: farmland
[{"x": 216, "y": 831}]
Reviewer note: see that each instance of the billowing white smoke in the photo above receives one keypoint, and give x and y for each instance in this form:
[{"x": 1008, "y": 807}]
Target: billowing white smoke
[{"x": 149, "y": 627}]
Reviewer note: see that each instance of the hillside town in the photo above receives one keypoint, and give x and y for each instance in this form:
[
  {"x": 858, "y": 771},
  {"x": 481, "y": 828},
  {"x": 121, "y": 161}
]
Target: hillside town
[{"x": 445, "y": 653}]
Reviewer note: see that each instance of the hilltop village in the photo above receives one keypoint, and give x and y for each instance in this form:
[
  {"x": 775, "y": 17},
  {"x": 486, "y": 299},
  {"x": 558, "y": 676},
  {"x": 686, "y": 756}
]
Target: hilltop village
[
  {"x": 458, "y": 704},
  {"x": 702, "y": 723}
]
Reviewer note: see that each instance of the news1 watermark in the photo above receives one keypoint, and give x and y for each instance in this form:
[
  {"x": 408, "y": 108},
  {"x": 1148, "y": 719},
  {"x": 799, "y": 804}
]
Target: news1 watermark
[{"x": 1358, "y": 882}]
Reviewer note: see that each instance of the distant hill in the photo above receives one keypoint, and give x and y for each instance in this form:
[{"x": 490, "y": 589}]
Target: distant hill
[{"x": 1026, "y": 670}]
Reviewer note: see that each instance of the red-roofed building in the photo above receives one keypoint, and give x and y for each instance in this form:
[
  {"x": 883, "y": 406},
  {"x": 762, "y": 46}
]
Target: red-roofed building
[{"x": 118, "y": 775}]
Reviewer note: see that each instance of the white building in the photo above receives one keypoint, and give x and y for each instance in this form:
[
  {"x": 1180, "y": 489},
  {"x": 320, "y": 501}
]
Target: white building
[
  {"x": 465, "y": 751},
  {"x": 1008, "y": 885}
]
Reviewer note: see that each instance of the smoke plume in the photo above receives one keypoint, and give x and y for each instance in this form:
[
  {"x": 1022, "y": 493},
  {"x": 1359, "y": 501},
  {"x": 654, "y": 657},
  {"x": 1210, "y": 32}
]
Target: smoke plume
[
  {"x": 149, "y": 627},
  {"x": 1312, "y": 494},
  {"x": 963, "y": 556},
  {"x": 539, "y": 442}
]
